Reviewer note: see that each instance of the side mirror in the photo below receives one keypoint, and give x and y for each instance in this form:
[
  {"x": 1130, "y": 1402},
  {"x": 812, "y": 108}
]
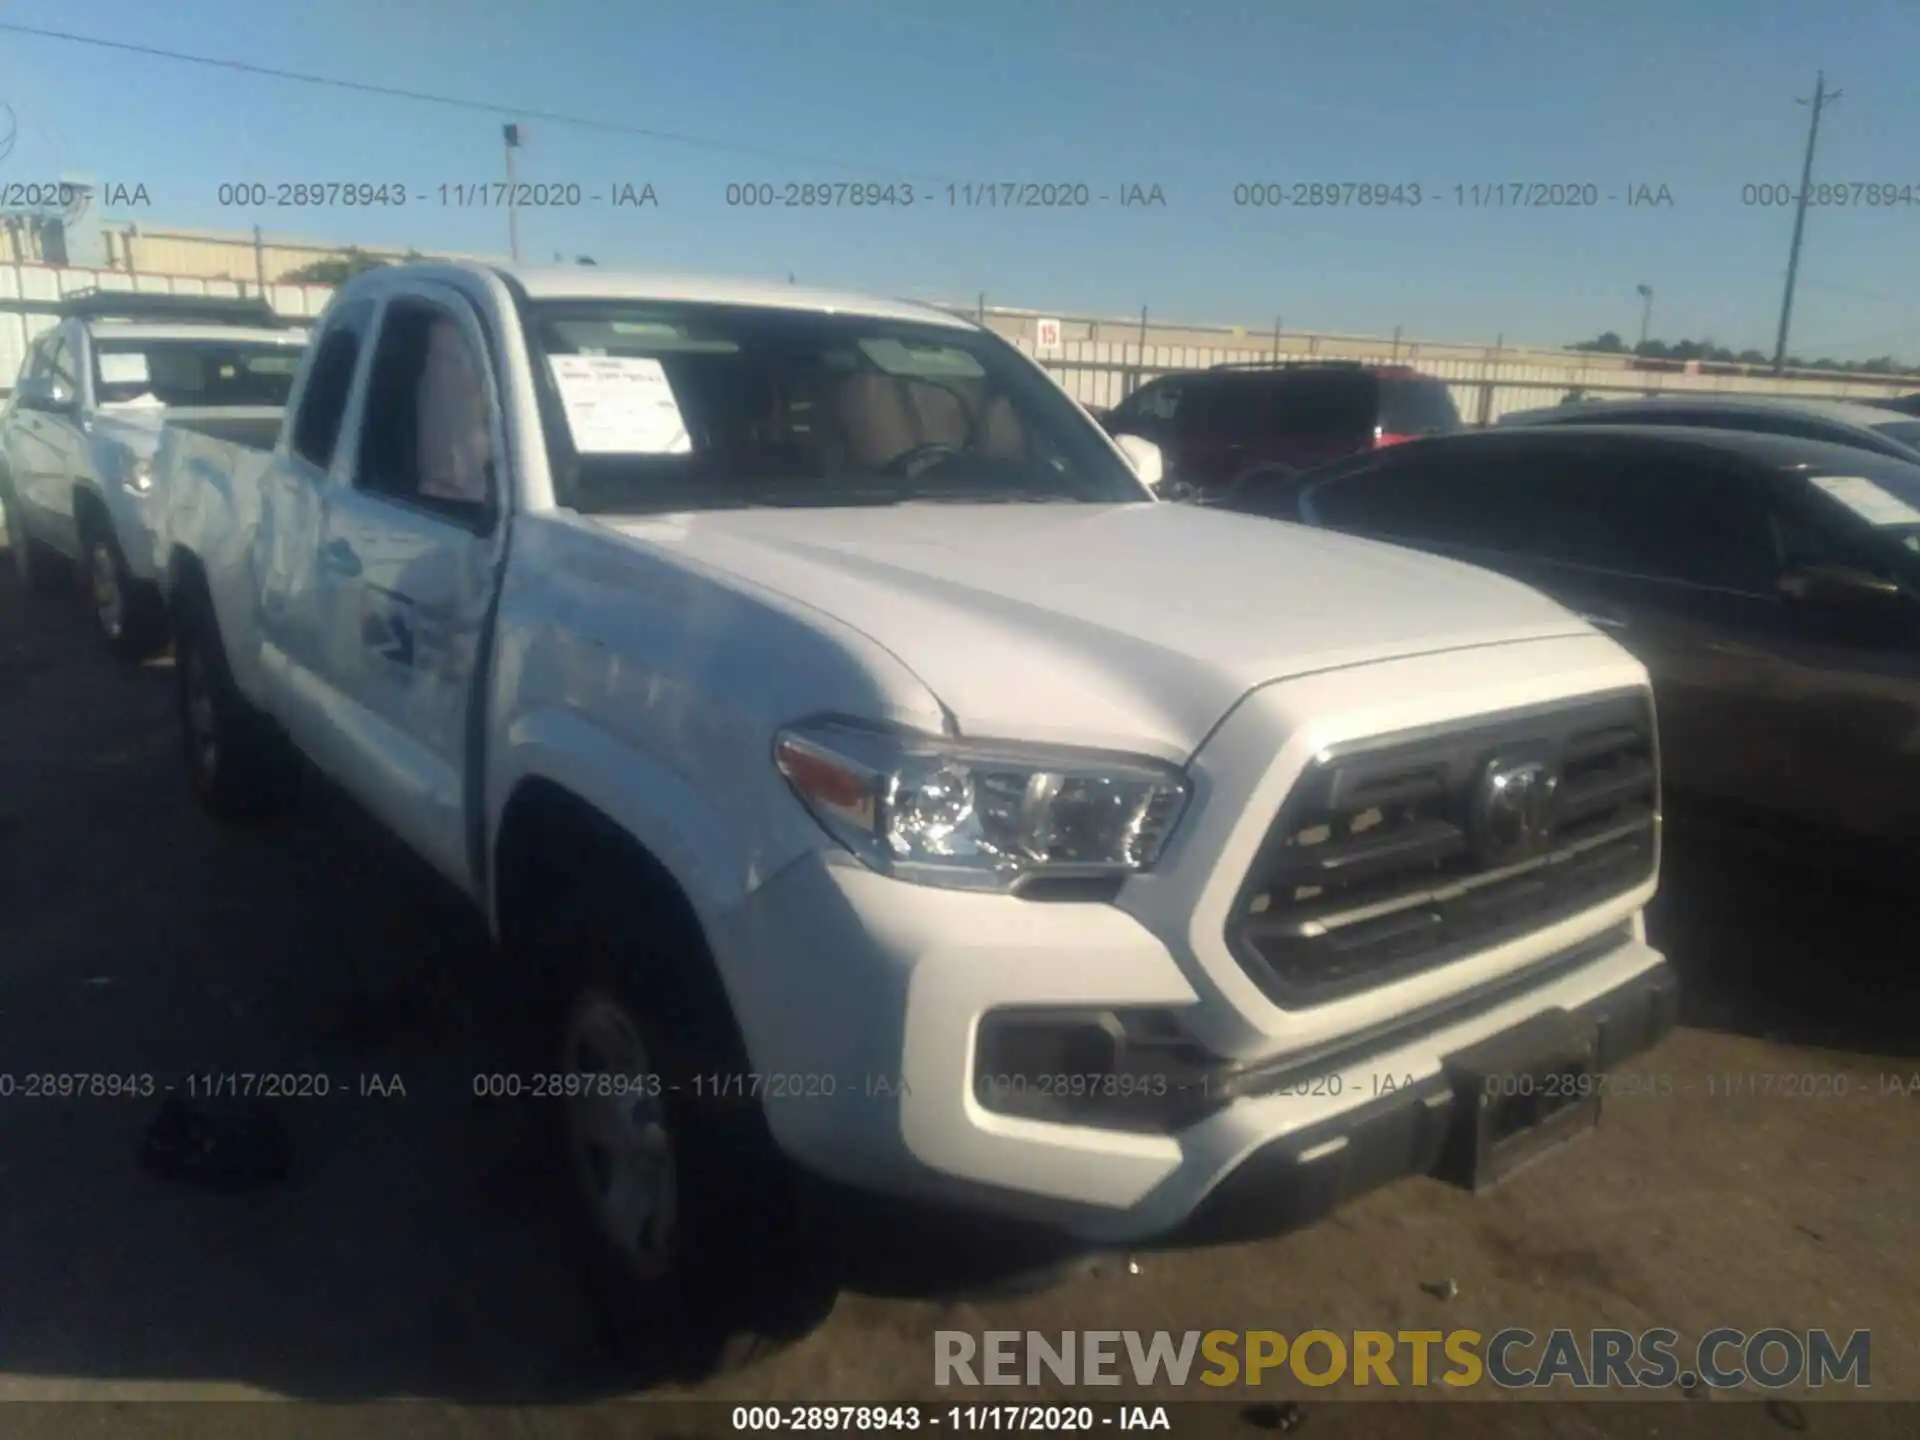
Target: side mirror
[
  {"x": 1145, "y": 458},
  {"x": 1837, "y": 585},
  {"x": 43, "y": 392}
]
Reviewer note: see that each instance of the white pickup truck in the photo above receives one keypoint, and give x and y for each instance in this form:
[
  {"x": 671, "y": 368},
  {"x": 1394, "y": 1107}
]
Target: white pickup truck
[
  {"x": 877, "y": 785},
  {"x": 78, "y": 437}
]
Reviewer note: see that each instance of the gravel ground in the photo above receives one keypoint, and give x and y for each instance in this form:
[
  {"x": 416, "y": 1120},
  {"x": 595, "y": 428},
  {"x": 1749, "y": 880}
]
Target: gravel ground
[{"x": 407, "y": 1255}]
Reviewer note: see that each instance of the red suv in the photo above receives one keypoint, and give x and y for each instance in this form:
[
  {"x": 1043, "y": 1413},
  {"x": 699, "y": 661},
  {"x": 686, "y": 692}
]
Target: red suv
[{"x": 1214, "y": 426}]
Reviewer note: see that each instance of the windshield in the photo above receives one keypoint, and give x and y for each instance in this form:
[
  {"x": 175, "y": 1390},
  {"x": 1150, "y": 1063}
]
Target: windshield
[
  {"x": 689, "y": 407},
  {"x": 1884, "y": 494},
  {"x": 193, "y": 373}
]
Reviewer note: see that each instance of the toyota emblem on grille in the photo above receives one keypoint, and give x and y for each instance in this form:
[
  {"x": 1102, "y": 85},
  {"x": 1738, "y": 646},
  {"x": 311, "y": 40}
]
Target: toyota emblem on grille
[{"x": 1513, "y": 809}]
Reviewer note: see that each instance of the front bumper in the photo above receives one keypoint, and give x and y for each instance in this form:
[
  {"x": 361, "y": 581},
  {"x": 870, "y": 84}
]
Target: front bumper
[
  {"x": 863, "y": 1000},
  {"x": 1299, "y": 1178}
]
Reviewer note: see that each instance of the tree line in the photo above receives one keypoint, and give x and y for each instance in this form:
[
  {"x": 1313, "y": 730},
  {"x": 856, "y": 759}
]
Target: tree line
[{"x": 1610, "y": 343}]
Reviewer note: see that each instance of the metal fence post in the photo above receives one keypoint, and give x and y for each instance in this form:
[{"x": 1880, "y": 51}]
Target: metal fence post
[{"x": 1487, "y": 382}]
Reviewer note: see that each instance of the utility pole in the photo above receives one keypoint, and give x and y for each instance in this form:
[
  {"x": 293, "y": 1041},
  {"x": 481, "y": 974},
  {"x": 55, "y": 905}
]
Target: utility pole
[
  {"x": 1821, "y": 99},
  {"x": 513, "y": 135},
  {"x": 1646, "y": 314}
]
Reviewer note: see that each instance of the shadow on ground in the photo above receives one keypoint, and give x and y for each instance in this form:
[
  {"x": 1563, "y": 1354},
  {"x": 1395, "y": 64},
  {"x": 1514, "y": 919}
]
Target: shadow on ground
[{"x": 1789, "y": 936}]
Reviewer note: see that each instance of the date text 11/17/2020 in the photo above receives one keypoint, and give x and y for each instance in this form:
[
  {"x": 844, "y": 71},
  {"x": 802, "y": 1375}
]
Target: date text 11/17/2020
[
  {"x": 722, "y": 1085},
  {"x": 1410, "y": 195},
  {"x": 201, "y": 1085},
  {"x": 396, "y": 195}
]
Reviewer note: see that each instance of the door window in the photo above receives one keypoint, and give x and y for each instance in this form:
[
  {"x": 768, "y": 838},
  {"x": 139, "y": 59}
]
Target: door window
[
  {"x": 60, "y": 365},
  {"x": 1664, "y": 517},
  {"x": 1472, "y": 498},
  {"x": 323, "y": 401},
  {"x": 426, "y": 437},
  {"x": 1155, "y": 404},
  {"x": 36, "y": 361}
]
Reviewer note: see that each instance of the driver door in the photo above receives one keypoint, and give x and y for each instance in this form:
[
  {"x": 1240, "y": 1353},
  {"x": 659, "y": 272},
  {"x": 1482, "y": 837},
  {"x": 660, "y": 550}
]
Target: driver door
[{"x": 410, "y": 556}]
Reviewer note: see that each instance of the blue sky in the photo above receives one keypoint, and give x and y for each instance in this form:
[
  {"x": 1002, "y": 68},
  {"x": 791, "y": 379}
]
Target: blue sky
[{"x": 1698, "y": 97}]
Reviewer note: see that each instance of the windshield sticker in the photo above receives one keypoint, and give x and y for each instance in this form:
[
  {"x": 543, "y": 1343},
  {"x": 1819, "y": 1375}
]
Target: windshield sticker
[
  {"x": 1869, "y": 501},
  {"x": 123, "y": 369},
  {"x": 620, "y": 405}
]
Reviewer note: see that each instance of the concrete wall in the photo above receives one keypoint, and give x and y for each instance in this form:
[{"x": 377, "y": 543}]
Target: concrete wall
[
  {"x": 1104, "y": 372},
  {"x": 1100, "y": 360}
]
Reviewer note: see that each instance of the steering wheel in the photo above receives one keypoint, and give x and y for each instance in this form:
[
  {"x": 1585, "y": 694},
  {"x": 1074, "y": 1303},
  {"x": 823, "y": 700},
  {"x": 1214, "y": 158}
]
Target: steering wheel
[{"x": 915, "y": 461}]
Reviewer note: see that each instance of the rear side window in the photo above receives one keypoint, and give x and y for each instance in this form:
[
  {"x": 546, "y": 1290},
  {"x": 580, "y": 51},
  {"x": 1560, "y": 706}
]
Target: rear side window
[
  {"x": 316, "y": 428},
  {"x": 1239, "y": 408},
  {"x": 1318, "y": 406},
  {"x": 1417, "y": 407}
]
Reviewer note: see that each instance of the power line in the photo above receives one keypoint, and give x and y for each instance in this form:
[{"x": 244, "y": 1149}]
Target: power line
[{"x": 458, "y": 102}]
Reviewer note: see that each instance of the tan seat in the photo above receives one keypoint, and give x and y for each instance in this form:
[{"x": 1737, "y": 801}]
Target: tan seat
[
  {"x": 1002, "y": 436},
  {"x": 882, "y": 417}
]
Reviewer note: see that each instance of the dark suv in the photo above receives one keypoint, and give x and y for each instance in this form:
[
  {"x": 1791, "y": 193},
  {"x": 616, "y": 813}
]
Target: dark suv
[{"x": 1215, "y": 426}]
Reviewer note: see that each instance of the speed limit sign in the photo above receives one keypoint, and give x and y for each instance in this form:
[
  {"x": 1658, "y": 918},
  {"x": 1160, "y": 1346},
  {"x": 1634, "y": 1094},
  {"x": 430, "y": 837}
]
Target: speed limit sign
[{"x": 1047, "y": 337}]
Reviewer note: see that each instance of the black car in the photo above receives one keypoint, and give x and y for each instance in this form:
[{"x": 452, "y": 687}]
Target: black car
[
  {"x": 1835, "y": 422},
  {"x": 1770, "y": 585}
]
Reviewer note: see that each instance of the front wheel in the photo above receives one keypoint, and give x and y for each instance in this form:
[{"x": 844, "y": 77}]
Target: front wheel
[
  {"x": 681, "y": 1209},
  {"x": 128, "y": 611},
  {"x": 237, "y": 765}
]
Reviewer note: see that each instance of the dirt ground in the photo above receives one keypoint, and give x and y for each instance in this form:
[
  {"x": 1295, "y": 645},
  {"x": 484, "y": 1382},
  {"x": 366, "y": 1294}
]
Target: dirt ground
[{"x": 407, "y": 1255}]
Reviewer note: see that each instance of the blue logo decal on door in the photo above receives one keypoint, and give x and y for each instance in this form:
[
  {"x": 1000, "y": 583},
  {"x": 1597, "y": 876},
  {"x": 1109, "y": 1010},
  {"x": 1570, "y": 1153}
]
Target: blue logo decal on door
[{"x": 389, "y": 636}]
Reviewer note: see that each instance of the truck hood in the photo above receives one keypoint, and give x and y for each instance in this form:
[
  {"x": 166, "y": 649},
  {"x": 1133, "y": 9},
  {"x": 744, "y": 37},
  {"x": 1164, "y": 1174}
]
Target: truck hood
[{"x": 1136, "y": 626}]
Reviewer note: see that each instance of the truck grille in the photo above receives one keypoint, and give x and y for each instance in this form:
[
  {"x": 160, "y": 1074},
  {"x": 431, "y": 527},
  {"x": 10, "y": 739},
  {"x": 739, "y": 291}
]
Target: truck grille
[{"x": 1405, "y": 852}]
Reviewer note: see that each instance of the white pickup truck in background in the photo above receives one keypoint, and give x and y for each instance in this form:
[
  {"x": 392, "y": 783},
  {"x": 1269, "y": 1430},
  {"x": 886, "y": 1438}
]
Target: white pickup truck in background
[
  {"x": 78, "y": 437},
  {"x": 875, "y": 785}
]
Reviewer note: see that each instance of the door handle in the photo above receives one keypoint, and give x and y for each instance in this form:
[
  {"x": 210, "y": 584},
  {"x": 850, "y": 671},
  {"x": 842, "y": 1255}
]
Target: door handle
[
  {"x": 340, "y": 557},
  {"x": 1601, "y": 620}
]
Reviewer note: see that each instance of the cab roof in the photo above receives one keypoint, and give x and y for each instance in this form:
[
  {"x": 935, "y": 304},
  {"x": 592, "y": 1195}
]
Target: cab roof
[
  {"x": 594, "y": 283},
  {"x": 149, "y": 330}
]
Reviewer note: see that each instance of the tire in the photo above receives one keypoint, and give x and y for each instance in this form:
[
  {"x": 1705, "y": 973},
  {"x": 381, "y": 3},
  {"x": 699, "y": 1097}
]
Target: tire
[
  {"x": 41, "y": 568},
  {"x": 730, "y": 1279},
  {"x": 129, "y": 612},
  {"x": 238, "y": 766}
]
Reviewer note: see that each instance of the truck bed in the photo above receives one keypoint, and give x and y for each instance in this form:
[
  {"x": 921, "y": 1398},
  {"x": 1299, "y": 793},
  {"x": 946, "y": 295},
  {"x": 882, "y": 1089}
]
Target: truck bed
[{"x": 252, "y": 429}]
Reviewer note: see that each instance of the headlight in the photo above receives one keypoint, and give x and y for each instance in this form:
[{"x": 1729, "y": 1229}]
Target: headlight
[
  {"x": 136, "y": 472},
  {"x": 980, "y": 816}
]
